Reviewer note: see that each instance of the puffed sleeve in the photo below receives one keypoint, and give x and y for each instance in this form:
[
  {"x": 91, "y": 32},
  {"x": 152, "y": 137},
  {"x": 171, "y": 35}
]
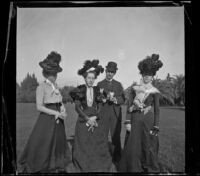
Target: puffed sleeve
[
  {"x": 77, "y": 95},
  {"x": 156, "y": 109},
  {"x": 40, "y": 95}
]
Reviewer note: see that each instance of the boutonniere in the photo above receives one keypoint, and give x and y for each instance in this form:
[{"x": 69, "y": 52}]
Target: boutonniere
[
  {"x": 101, "y": 90},
  {"x": 101, "y": 96},
  {"x": 112, "y": 94}
]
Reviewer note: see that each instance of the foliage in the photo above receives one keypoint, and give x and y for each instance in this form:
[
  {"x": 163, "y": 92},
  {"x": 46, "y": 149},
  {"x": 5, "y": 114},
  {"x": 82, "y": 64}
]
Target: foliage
[
  {"x": 179, "y": 89},
  {"x": 65, "y": 94},
  {"x": 27, "y": 90}
]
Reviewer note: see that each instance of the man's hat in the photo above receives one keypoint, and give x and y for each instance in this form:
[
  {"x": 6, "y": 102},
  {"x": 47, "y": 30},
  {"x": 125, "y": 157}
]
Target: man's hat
[{"x": 112, "y": 66}]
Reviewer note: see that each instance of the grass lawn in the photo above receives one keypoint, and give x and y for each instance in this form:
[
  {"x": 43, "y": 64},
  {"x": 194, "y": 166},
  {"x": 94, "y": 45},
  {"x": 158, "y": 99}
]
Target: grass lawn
[{"x": 172, "y": 132}]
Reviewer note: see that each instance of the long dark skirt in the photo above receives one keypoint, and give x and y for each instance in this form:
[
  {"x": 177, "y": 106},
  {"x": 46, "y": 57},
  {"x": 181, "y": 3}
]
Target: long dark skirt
[
  {"x": 46, "y": 150},
  {"x": 141, "y": 150},
  {"x": 91, "y": 151}
]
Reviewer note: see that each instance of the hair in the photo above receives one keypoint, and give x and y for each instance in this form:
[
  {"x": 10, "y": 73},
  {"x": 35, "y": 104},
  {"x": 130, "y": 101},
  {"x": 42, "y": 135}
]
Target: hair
[
  {"x": 86, "y": 73},
  {"x": 46, "y": 74}
]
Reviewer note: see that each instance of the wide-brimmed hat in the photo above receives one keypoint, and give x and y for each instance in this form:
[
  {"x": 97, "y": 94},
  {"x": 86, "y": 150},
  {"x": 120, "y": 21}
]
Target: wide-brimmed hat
[
  {"x": 112, "y": 66},
  {"x": 51, "y": 63},
  {"x": 91, "y": 66},
  {"x": 150, "y": 65}
]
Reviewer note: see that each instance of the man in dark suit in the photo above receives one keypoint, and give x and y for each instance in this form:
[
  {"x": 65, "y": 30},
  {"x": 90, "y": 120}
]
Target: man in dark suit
[{"x": 112, "y": 108}]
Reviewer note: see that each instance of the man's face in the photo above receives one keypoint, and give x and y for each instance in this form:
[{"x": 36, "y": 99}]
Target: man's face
[{"x": 110, "y": 74}]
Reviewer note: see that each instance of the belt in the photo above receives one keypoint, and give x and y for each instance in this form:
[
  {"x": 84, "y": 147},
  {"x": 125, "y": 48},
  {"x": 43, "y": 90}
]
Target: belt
[{"x": 142, "y": 110}]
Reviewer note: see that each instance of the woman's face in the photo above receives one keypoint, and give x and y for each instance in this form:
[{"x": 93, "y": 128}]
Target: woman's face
[
  {"x": 89, "y": 79},
  {"x": 52, "y": 78},
  {"x": 147, "y": 78}
]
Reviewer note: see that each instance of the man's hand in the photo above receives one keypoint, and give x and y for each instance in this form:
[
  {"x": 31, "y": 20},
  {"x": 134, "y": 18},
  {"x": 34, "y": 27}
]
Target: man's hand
[
  {"x": 154, "y": 131},
  {"x": 131, "y": 108},
  {"x": 128, "y": 127},
  {"x": 113, "y": 99}
]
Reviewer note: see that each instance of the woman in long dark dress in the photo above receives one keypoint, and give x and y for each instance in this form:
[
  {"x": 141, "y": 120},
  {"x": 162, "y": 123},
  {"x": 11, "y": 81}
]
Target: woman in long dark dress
[
  {"x": 46, "y": 150},
  {"x": 141, "y": 148},
  {"x": 91, "y": 151}
]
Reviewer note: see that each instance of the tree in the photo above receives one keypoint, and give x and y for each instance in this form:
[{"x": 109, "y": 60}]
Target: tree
[
  {"x": 166, "y": 89},
  {"x": 179, "y": 89},
  {"x": 28, "y": 88},
  {"x": 18, "y": 88},
  {"x": 65, "y": 93}
]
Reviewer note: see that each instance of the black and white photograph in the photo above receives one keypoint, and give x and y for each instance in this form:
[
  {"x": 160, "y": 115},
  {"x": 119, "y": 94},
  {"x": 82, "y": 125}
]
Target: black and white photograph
[{"x": 100, "y": 90}]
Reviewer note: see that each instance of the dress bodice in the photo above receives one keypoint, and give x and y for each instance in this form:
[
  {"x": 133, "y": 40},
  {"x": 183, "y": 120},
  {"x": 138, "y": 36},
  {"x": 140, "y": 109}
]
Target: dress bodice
[{"x": 79, "y": 94}]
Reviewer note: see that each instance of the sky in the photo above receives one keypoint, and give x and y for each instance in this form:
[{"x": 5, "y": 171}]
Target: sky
[{"x": 124, "y": 35}]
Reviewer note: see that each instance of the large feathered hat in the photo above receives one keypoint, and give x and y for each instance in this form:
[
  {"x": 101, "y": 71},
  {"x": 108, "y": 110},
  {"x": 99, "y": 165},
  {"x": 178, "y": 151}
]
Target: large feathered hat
[
  {"x": 91, "y": 66},
  {"x": 51, "y": 63},
  {"x": 150, "y": 65}
]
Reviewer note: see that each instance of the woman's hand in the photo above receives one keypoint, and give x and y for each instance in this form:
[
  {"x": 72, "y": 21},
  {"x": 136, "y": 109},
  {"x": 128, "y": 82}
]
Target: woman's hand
[
  {"x": 93, "y": 118},
  {"x": 128, "y": 127},
  {"x": 92, "y": 124},
  {"x": 154, "y": 131},
  {"x": 146, "y": 110},
  {"x": 57, "y": 115},
  {"x": 63, "y": 112},
  {"x": 132, "y": 108},
  {"x": 91, "y": 121}
]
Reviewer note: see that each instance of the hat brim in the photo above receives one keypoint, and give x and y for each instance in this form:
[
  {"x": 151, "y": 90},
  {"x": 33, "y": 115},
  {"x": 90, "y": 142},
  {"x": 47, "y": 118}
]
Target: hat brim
[
  {"x": 112, "y": 69},
  {"x": 50, "y": 69}
]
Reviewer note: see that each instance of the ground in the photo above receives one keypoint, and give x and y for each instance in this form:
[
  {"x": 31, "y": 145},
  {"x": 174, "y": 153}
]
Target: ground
[{"x": 172, "y": 132}]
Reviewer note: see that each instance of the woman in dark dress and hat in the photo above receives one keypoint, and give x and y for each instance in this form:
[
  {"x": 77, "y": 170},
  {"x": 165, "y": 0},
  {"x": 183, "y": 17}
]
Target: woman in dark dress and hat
[
  {"x": 141, "y": 148},
  {"x": 90, "y": 152},
  {"x": 46, "y": 150}
]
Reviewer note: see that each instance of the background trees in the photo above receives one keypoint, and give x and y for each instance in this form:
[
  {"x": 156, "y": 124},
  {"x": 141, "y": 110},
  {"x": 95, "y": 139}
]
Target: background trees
[
  {"x": 172, "y": 90},
  {"x": 27, "y": 89}
]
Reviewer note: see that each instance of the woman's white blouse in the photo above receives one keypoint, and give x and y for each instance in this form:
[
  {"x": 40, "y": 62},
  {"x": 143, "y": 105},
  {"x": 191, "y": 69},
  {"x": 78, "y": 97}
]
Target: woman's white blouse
[
  {"x": 45, "y": 93},
  {"x": 89, "y": 95}
]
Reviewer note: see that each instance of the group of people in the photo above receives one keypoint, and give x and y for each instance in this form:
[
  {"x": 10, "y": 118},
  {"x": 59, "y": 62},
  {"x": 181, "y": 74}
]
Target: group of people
[{"x": 99, "y": 115}]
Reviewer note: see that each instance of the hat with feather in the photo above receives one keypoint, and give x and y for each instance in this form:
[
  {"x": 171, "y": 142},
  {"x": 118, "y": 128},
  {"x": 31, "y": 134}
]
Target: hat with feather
[
  {"x": 91, "y": 66},
  {"x": 150, "y": 65},
  {"x": 51, "y": 63}
]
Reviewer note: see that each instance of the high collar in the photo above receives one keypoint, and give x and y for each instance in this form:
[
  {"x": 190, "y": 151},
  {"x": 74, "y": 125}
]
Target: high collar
[
  {"x": 88, "y": 87},
  {"x": 109, "y": 80},
  {"x": 50, "y": 83}
]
